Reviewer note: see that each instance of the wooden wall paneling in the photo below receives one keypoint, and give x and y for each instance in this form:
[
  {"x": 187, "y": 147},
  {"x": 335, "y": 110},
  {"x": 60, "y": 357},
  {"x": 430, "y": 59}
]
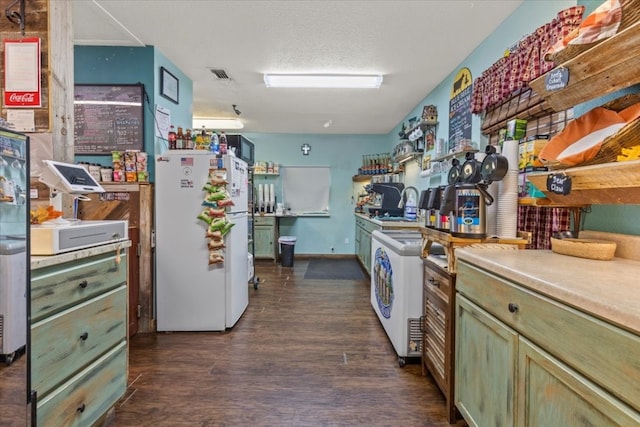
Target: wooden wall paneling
[
  {"x": 532, "y": 126},
  {"x": 146, "y": 321},
  {"x": 132, "y": 202},
  {"x": 523, "y": 101},
  {"x": 512, "y": 110},
  {"x": 504, "y": 112}
]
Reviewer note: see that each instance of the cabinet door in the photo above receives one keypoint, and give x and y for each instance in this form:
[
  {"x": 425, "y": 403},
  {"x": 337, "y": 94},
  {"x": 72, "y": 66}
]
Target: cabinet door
[
  {"x": 264, "y": 245},
  {"x": 358, "y": 244},
  {"x": 366, "y": 250},
  {"x": 553, "y": 395},
  {"x": 435, "y": 334},
  {"x": 485, "y": 367}
]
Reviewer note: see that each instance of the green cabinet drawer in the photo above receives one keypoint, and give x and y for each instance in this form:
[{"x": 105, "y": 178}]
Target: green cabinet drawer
[
  {"x": 83, "y": 399},
  {"x": 264, "y": 220},
  {"x": 576, "y": 400},
  {"x": 58, "y": 287},
  {"x": 598, "y": 350},
  {"x": 68, "y": 341}
]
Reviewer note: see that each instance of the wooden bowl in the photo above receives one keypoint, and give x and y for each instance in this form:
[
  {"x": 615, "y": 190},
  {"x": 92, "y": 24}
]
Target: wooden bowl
[{"x": 584, "y": 248}]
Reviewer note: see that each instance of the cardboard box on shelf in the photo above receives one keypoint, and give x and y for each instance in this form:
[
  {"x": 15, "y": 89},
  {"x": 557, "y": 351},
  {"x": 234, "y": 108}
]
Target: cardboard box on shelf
[
  {"x": 522, "y": 155},
  {"x": 516, "y": 129},
  {"x": 534, "y": 147}
]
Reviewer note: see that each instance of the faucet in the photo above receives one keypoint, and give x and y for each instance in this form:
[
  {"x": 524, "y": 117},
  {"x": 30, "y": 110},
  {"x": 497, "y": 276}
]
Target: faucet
[{"x": 401, "y": 203}]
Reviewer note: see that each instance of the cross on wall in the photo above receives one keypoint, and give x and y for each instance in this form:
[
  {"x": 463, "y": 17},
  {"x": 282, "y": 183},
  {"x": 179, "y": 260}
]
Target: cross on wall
[{"x": 305, "y": 149}]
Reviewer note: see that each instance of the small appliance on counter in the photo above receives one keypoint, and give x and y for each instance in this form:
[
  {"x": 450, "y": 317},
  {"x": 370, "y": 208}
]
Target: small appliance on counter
[
  {"x": 62, "y": 235},
  {"x": 65, "y": 235},
  {"x": 390, "y": 196}
]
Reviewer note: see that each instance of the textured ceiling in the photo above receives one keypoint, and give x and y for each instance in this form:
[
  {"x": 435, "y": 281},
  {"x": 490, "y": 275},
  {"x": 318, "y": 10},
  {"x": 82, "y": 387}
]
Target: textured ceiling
[{"x": 414, "y": 44}]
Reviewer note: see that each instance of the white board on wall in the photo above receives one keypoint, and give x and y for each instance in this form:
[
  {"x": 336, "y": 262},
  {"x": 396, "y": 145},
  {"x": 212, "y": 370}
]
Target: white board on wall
[{"x": 305, "y": 189}]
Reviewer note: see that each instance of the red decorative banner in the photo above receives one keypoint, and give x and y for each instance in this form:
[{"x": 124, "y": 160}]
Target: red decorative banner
[{"x": 22, "y": 73}]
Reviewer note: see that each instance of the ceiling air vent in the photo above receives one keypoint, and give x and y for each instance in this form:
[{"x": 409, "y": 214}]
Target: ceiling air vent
[{"x": 220, "y": 74}]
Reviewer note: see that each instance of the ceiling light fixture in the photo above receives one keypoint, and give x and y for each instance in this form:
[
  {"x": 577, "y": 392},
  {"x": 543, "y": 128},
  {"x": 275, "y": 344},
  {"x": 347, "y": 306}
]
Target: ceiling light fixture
[
  {"x": 340, "y": 81},
  {"x": 327, "y": 123},
  {"x": 212, "y": 123}
]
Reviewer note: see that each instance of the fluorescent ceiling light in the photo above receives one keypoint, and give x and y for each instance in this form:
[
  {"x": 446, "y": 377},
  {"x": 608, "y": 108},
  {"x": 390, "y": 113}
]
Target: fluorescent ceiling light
[
  {"x": 209, "y": 123},
  {"x": 341, "y": 81}
]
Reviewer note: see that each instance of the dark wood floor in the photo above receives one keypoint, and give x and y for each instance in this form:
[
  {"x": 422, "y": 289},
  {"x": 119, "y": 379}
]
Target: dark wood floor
[
  {"x": 13, "y": 393},
  {"x": 305, "y": 353}
]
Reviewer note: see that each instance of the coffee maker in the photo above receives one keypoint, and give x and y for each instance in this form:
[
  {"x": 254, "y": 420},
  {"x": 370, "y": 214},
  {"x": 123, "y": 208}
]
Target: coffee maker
[{"x": 390, "y": 195}]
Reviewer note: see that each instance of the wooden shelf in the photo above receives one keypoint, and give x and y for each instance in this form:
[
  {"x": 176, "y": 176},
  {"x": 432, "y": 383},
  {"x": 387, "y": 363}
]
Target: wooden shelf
[
  {"x": 450, "y": 243},
  {"x": 546, "y": 203},
  {"x": 422, "y": 125},
  {"x": 363, "y": 178},
  {"x": 607, "y": 183},
  {"x": 607, "y": 67}
]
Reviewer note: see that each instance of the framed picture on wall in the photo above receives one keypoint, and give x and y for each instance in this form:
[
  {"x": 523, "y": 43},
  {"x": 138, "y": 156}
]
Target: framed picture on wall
[{"x": 169, "y": 85}]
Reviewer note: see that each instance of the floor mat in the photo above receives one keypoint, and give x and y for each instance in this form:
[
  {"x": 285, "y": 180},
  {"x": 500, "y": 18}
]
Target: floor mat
[{"x": 334, "y": 269}]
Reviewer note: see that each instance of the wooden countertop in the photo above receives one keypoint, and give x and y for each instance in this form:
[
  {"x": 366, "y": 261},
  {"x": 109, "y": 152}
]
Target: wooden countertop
[
  {"x": 609, "y": 290},
  {"x": 47, "y": 261}
]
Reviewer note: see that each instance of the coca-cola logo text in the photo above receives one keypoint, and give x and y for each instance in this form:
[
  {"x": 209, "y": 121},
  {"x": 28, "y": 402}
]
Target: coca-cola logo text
[{"x": 22, "y": 98}]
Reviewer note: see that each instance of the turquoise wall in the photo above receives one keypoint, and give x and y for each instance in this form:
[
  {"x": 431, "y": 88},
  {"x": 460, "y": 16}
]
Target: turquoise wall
[
  {"x": 530, "y": 15},
  {"x": 343, "y": 154},
  {"x": 132, "y": 65}
]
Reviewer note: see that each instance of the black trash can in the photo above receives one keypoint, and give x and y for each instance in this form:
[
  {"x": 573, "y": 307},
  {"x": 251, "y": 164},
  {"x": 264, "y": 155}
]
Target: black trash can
[{"x": 287, "y": 246}]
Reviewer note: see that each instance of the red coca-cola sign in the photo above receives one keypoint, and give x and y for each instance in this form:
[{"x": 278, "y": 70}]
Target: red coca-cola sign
[
  {"x": 22, "y": 73},
  {"x": 24, "y": 99}
]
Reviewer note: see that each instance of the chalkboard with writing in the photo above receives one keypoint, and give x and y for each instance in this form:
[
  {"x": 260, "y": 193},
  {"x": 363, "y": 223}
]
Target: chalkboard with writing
[{"x": 108, "y": 118}]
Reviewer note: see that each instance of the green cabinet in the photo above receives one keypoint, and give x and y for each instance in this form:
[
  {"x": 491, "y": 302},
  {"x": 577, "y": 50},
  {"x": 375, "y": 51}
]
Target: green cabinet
[
  {"x": 554, "y": 395},
  {"x": 364, "y": 228},
  {"x": 78, "y": 334},
  {"x": 265, "y": 237},
  {"x": 485, "y": 367},
  {"x": 523, "y": 359}
]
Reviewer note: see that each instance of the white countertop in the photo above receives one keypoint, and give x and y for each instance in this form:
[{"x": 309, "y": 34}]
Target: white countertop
[
  {"x": 609, "y": 290},
  {"x": 392, "y": 224},
  {"x": 49, "y": 260}
]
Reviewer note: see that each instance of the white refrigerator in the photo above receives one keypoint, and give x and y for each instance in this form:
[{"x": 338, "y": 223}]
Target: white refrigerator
[{"x": 191, "y": 294}]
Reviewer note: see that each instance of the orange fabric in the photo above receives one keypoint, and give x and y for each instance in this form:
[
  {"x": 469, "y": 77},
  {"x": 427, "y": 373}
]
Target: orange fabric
[
  {"x": 597, "y": 119},
  {"x": 631, "y": 113},
  {"x": 601, "y": 24}
]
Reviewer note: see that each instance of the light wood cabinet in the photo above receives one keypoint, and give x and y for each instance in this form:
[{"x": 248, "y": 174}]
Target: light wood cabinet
[
  {"x": 79, "y": 335},
  {"x": 265, "y": 237},
  {"x": 528, "y": 360}
]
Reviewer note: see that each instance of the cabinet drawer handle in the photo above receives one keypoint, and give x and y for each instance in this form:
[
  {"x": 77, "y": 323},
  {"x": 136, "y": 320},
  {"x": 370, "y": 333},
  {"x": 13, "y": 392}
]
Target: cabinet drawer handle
[
  {"x": 434, "y": 282},
  {"x": 81, "y": 408},
  {"x": 513, "y": 307},
  {"x": 83, "y": 284},
  {"x": 84, "y": 336}
]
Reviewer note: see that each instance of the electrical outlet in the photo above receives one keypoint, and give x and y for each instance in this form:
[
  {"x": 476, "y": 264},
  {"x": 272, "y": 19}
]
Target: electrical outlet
[{"x": 346, "y": 240}]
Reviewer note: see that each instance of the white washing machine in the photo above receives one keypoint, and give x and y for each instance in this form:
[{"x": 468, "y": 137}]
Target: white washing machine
[
  {"x": 396, "y": 288},
  {"x": 13, "y": 298}
]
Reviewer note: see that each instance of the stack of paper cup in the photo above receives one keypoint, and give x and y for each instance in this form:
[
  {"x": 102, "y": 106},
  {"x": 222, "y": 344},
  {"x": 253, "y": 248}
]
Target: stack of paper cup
[
  {"x": 507, "y": 214},
  {"x": 492, "y": 210}
]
